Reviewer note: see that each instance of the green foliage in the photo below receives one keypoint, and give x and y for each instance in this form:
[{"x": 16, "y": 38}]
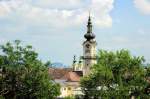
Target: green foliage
[
  {"x": 116, "y": 75},
  {"x": 69, "y": 97},
  {"x": 1, "y": 97},
  {"x": 23, "y": 75}
]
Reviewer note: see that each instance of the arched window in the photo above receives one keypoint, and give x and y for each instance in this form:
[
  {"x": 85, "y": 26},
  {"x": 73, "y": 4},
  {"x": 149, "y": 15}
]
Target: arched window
[
  {"x": 64, "y": 88},
  {"x": 69, "y": 88}
]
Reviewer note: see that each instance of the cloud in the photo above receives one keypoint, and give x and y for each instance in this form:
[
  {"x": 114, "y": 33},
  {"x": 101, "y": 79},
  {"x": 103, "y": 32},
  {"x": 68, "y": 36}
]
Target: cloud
[
  {"x": 67, "y": 4},
  {"x": 40, "y": 22},
  {"x": 7, "y": 6},
  {"x": 59, "y": 13},
  {"x": 143, "y": 6}
]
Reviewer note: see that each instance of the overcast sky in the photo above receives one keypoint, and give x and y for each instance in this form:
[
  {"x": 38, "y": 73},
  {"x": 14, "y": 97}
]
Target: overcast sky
[{"x": 55, "y": 28}]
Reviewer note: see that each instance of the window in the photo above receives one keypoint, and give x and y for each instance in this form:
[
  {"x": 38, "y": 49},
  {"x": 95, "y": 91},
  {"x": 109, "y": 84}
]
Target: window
[
  {"x": 64, "y": 88},
  {"x": 69, "y": 88}
]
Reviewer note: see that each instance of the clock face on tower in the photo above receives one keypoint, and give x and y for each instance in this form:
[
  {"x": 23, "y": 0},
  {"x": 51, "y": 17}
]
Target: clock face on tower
[
  {"x": 87, "y": 49},
  {"x": 87, "y": 45}
]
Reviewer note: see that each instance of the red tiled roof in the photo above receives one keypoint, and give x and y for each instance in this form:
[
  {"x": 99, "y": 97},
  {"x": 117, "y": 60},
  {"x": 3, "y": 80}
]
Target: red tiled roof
[
  {"x": 56, "y": 73},
  {"x": 65, "y": 74},
  {"x": 72, "y": 76}
]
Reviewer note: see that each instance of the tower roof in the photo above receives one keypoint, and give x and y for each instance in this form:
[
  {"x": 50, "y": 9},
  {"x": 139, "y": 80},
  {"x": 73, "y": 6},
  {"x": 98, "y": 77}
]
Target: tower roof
[
  {"x": 74, "y": 59},
  {"x": 89, "y": 35}
]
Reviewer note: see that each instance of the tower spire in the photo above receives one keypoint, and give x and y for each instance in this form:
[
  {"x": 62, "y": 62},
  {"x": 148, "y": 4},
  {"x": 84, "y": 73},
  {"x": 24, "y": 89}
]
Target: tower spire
[
  {"x": 74, "y": 63},
  {"x": 74, "y": 59},
  {"x": 89, "y": 26},
  {"x": 89, "y": 15},
  {"x": 89, "y": 35}
]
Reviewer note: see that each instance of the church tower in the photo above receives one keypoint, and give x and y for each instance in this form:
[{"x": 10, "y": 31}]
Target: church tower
[{"x": 89, "y": 49}]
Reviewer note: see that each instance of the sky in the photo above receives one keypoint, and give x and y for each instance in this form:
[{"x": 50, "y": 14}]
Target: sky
[{"x": 55, "y": 28}]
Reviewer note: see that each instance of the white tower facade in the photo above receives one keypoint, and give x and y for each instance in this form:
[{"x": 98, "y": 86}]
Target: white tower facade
[
  {"x": 89, "y": 49},
  {"x": 77, "y": 66}
]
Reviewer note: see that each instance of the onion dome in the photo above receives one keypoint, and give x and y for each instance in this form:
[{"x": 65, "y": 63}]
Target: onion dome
[{"x": 89, "y": 35}]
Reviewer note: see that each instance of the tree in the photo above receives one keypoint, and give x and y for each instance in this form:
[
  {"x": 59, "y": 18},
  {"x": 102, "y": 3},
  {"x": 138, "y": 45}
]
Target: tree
[
  {"x": 23, "y": 75},
  {"x": 117, "y": 75},
  {"x": 147, "y": 68}
]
